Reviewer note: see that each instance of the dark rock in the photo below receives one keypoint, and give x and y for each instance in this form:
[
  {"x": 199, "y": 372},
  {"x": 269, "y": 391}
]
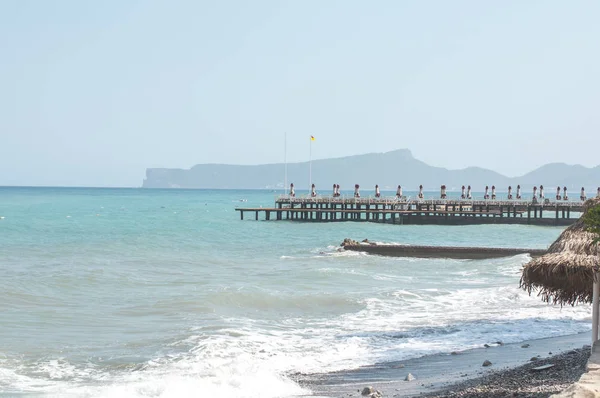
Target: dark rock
[
  {"x": 367, "y": 391},
  {"x": 534, "y": 359},
  {"x": 525, "y": 346},
  {"x": 486, "y": 345},
  {"x": 349, "y": 242},
  {"x": 486, "y": 363},
  {"x": 499, "y": 343},
  {"x": 454, "y": 353}
]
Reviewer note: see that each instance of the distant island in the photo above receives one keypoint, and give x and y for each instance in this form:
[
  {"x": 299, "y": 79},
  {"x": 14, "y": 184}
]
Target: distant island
[{"x": 388, "y": 169}]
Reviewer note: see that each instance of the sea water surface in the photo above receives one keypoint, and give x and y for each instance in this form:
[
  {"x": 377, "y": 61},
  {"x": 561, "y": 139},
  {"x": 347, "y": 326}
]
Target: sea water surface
[{"x": 166, "y": 293}]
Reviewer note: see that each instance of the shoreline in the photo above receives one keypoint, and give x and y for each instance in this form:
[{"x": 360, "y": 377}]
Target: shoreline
[{"x": 445, "y": 374}]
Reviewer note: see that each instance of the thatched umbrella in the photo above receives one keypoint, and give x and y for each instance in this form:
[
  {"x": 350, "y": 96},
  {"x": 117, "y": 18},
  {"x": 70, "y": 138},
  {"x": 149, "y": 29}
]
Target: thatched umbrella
[{"x": 567, "y": 273}]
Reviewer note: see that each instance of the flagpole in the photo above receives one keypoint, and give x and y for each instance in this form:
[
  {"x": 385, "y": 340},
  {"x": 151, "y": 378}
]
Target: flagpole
[
  {"x": 310, "y": 166},
  {"x": 285, "y": 161}
]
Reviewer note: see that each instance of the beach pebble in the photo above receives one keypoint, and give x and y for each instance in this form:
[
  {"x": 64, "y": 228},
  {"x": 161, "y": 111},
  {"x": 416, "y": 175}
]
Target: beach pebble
[
  {"x": 486, "y": 363},
  {"x": 409, "y": 377},
  {"x": 525, "y": 346}
]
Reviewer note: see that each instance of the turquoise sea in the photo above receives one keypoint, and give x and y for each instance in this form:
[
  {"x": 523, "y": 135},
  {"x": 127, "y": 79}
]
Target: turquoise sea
[{"x": 166, "y": 293}]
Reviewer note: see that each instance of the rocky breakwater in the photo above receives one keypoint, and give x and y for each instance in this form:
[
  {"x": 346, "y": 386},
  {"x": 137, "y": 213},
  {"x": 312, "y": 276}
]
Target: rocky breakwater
[{"x": 468, "y": 253}]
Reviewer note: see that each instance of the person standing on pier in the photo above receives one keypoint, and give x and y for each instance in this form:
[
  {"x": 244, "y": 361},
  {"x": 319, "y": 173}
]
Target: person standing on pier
[
  {"x": 377, "y": 193},
  {"x": 582, "y": 196},
  {"x": 493, "y": 192},
  {"x": 565, "y": 196},
  {"x": 462, "y": 193},
  {"x": 518, "y": 192},
  {"x": 420, "y": 191},
  {"x": 469, "y": 195},
  {"x": 486, "y": 195},
  {"x": 510, "y": 193},
  {"x": 292, "y": 191},
  {"x": 399, "y": 192},
  {"x": 356, "y": 191},
  {"x": 313, "y": 191},
  {"x": 558, "y": 197}
]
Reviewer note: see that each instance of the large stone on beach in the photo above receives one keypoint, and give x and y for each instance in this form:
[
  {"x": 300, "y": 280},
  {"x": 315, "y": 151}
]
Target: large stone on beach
[
  {"x": 486, "y": 363},
  {"x": 409, "y": 377},
  {"x": 371, "y": 392},
  {"x": 367, "y": 391}
]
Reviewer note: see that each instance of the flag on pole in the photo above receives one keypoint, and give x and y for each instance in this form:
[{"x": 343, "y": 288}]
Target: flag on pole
[{"x": 312, "y": 137}]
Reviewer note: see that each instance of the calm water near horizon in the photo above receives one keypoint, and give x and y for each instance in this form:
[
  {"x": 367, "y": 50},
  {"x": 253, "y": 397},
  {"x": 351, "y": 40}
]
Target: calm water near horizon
[{"x": 165, "y": 293}]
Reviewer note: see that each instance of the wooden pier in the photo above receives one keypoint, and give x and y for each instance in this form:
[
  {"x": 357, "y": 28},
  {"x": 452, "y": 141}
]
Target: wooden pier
[{"x": 419, "y": 211}]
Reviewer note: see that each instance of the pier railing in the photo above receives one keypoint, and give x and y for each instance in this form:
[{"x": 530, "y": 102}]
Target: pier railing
[{"x": 393, "y": 201}]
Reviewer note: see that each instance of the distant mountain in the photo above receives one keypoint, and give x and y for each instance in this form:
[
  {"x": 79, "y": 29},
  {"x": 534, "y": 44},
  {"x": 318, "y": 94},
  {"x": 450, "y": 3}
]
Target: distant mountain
[{"x": 386, "y": 169}]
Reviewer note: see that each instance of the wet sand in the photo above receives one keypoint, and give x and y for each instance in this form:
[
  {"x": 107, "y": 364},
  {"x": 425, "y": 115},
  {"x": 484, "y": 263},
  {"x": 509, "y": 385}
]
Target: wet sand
[{"x": 462, "y": 374}]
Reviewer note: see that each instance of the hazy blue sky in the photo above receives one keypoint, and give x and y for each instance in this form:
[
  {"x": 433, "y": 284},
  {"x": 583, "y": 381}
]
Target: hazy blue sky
[{"x": 93, "y": 92}]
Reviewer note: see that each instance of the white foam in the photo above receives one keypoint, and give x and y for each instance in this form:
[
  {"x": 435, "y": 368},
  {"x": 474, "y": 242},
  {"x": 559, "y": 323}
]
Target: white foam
[{"x": 226, "y": 371}]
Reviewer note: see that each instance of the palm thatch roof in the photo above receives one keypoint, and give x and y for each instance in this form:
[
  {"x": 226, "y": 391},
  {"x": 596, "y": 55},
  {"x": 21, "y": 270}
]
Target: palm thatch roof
[{"x": 565, "y": 274}]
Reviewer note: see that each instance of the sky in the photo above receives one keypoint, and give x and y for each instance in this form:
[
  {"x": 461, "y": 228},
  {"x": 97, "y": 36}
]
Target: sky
[{"x": 94, "y": 92}]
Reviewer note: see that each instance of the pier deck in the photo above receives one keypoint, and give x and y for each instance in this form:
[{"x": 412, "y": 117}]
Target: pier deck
[{"x": 423, "y": 211}]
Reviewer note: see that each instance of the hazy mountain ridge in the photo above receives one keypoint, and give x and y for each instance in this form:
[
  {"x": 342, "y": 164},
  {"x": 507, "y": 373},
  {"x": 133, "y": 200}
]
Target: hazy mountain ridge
[{"x": 386, "y": 169}]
